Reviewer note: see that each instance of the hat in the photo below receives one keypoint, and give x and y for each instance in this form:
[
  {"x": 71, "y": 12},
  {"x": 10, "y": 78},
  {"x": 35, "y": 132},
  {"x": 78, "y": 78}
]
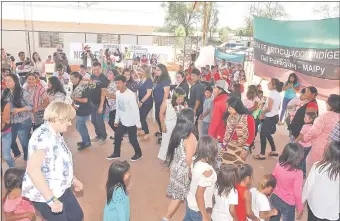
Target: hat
[
  {"x": 223, "y": 85},
  {"x": 87, "y": 46}
]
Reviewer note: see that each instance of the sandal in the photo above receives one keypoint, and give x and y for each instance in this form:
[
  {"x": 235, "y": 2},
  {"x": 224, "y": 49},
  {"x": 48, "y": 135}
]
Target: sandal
[
  {"x": 273, "y": 154},
  {"x": 258, "y": 157}
]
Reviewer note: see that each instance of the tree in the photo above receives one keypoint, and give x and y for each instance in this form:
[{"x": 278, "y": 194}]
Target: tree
[
  {"x": 212, "y": 18},
  {"x": 180, "y": 13},
  {"x": 327, "y": 10},
  {"x": 269, "y": 10},
  {"x": 223, "y": 33}
]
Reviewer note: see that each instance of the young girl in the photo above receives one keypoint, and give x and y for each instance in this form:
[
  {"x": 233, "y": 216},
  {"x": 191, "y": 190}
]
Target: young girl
[
  {"x": 117, "y": 205},
  {"x": 170, "y": 108},
  {"x": 226, "y": 197},
  {"x": 260, "y": 203},
  {"x": 287, "y": 193},
  {"x": 203, "y": 180},
  {"x": 182, "y": 147},
  {"x": 309, "y": 120},
  {"x": 16, "y": 208},
  {"x": 243, "y": 208}
]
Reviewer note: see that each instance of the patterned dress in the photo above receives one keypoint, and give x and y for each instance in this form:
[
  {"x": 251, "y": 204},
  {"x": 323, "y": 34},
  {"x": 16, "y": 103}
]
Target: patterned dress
[
  {"x": 231, "y": 154},
  {"x": 318, "y": 135},
  {"x": 179, "y": 183}
]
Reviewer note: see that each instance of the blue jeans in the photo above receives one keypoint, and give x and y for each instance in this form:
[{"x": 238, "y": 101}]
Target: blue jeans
[
  {"x": 98, "y": 122},
  {"x": 22, "y": 130},
  {"x": 284, "y": 108},
  {"x": 191, "y": 215},
  {"x": 284, "y": 209},
  {"x": 82, "y": 129},
  {"x": 6, "y": 140}
]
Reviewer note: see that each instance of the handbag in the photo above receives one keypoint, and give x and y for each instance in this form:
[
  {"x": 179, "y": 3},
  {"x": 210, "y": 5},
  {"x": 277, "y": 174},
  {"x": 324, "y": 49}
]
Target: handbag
[{"x": 232, "y": 133}]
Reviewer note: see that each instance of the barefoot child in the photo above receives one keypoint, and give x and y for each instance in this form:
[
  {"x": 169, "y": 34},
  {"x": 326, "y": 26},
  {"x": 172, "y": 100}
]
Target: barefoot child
[
  {"x": 117, "y": 205},
  {"x": 203, "y": 180},
  {"x": 16, "y": 207},
  {"x": 226, "y": 197},
  {"x": 259, "y": 197}
]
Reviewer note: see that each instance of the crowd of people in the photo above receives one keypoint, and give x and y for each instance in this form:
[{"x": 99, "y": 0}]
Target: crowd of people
[{"x": 207, "y": 124}]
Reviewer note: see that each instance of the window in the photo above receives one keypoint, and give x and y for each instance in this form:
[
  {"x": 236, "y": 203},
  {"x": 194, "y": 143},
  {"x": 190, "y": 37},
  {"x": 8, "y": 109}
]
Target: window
[
  {"x": 50, "y": 39},
  {"x": 108, "y": 39}
]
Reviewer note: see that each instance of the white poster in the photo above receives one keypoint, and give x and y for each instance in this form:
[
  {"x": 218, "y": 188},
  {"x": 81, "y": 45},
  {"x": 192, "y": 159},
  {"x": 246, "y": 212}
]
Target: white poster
[{"x": 162, "y": 53}]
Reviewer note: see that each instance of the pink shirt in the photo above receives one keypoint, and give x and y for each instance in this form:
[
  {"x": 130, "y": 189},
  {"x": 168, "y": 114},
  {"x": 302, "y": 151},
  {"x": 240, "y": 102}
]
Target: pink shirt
[
  {"x": 289, "y": 186},
  {"x": 303, "y": 131},
  {"x": 18, "y": 206}
]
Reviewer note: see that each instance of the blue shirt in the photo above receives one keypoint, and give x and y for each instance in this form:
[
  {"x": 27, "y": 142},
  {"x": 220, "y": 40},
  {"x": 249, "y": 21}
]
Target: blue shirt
[
  {"x": 290, "y": 92},
  {"x": 158, "y": 91},
  {"x": 119, "y": 207},
  {"x": 142, "y": 90},
  {"x": 208, "y": 104}
]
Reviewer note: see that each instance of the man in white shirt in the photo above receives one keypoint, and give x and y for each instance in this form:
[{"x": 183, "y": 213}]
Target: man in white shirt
[
  {"x": 63, "y": 76},
  {"x": 126, "y": 120}
]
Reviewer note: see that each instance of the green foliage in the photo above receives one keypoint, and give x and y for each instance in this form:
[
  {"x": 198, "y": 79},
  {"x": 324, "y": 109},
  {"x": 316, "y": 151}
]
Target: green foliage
[
  {"x": 269, "y": 10},
  {"x": 180, "y": 14}
]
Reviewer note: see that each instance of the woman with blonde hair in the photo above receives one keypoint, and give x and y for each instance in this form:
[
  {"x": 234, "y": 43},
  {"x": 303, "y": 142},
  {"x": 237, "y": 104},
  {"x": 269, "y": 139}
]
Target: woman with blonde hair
[
  {"x": 49, "y": 173},
  {"x": 145, "y": 101}
]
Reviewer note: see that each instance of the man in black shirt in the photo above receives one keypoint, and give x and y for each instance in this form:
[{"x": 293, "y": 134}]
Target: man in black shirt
[
  {"x": 82, "y": 103},
  {"x": 98, "y": 103},
  {"x": 196, "y": 94}
]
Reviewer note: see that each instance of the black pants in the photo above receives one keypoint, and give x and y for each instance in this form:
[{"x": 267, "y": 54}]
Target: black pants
[
  {"x": 112, "y": 117},
  {"x": 132, "y": 133},
  {"x": 71, "y": 209},
  {"x": 312, "y": 217},
  {"x": 267, "y": 129},
  {"x": 157, "y": 110},
  {"x": 257, "y": 123},
  {"x": 143, "y": 113}
]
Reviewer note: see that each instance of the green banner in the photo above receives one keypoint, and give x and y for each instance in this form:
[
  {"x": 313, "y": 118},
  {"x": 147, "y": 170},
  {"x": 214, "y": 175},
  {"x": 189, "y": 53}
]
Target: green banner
[
  {"x": 311, "y": 49},
  {"x": 317, "y": 34}
]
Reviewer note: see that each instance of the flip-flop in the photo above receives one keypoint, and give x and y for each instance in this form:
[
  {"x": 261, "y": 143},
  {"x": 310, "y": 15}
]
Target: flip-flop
[
  {"x": 257, "y": 157},
  {"x": 273, "y": 154}
]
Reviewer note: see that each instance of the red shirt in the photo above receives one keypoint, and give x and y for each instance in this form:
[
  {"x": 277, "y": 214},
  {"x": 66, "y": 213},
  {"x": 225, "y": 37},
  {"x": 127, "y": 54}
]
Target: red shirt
[
  {"x": 217, "y": 76},
  {"x": 217, "y": 126},
  {"x": 207, "y": 77},
  {"x": 313, "y": 105},
  {"x": 241, "y": 206}
]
